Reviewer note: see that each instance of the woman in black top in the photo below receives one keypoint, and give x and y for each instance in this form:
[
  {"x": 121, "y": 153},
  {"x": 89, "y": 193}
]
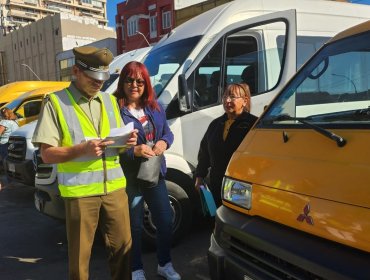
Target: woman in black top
[{"x": 223, "y": 137}]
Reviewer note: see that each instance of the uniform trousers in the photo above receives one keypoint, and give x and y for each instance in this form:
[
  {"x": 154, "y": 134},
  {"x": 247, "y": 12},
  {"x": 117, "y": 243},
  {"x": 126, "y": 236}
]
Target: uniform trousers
[{"x": 111, "y": 213}]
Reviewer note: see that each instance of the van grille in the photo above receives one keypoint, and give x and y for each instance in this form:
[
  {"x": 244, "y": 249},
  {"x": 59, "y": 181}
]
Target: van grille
[
  {"x": 265, "y": 262},
  {"x": 17, "y": 148},
  {"x": 43, "y": 170}
]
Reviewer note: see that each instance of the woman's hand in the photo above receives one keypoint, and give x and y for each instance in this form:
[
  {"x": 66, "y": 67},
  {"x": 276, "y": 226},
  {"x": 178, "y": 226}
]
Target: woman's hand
[
  {"x": 143, "y": 151},
  {"x": 160, "y": 147},
  {"x": 198, "y": 183}
]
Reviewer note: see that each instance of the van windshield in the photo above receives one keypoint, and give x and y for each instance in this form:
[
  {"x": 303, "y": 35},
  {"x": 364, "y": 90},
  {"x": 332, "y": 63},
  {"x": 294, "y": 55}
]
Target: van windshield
[
  {"x": 332, "y": 90},
  {"x": 110, "y": 81},
  {"x": 163, "y": 62}
]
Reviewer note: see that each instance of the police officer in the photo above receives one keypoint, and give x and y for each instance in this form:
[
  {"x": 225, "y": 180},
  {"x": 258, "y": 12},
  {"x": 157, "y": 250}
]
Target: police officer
[{"x": 69, "y": 132}]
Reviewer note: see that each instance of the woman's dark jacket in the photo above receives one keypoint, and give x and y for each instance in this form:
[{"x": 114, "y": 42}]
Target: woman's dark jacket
[
  {"x": 129, "y": 162},
  {"x": 215, "y": 153}
]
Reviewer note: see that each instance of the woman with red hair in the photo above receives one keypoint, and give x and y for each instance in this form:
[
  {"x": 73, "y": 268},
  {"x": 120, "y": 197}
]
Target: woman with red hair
[{"x": 138, "y": 104}]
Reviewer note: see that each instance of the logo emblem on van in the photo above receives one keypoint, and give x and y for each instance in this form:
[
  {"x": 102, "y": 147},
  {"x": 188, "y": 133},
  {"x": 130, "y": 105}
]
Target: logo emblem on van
[
  {"x": 305, "y": 216},
  {"x": 11, "y": 147}
]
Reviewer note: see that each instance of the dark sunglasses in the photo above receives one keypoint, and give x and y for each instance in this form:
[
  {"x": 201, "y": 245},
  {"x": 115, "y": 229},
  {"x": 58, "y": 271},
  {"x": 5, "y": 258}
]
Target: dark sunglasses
[{"x": 130, "y": 81}]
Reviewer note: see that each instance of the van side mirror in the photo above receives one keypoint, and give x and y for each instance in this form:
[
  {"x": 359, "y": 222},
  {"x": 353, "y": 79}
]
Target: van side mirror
[{"x": 183, "y": 94}]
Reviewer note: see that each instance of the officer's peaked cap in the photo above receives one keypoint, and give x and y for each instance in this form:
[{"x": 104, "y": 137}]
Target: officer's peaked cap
[{"x": 94, "y": 61}]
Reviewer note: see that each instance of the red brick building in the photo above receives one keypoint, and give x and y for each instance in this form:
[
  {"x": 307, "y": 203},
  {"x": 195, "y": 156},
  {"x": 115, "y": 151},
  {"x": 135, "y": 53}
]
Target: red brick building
[{"x": 142, "y": 22}]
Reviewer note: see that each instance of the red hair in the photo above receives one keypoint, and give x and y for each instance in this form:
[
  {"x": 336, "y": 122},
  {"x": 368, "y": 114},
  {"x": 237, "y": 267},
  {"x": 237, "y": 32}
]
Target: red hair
[{"x": 135, "y": 69}]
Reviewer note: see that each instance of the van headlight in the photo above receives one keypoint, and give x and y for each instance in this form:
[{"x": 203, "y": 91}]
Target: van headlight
[{"x": 237, "y": 192}]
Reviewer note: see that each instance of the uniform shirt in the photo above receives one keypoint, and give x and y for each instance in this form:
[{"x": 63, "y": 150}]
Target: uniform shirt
[{"x": 48, "y": 129}]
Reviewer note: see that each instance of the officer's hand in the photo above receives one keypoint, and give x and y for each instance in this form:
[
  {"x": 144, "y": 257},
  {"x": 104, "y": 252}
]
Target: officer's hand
[
  {"x": 160, "y": 147},
  {"x": 143, "y": 151},
  {"x": 96, "y": 147},
  {"x": 132, "y": 141}
]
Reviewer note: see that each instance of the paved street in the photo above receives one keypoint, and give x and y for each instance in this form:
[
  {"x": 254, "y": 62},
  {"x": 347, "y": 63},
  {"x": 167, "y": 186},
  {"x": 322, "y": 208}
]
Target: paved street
[{"x": 33, "y": 247}]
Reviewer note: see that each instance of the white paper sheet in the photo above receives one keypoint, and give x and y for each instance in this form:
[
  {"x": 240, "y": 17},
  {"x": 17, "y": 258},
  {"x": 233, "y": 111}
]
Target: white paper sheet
[{"x": 120, "y": 135}]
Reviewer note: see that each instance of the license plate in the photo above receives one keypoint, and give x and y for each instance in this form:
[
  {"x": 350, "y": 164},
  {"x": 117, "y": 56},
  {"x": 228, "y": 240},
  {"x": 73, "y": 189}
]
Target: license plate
[{"x": 11, "y": 167}]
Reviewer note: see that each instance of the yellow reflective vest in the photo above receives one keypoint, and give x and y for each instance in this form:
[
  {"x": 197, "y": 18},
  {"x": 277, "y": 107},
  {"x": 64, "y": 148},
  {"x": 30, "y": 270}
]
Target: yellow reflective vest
[{"x": 87, "y": 175}]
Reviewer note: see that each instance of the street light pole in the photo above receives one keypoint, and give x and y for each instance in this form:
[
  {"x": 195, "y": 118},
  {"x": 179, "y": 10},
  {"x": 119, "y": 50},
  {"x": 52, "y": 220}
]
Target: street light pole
[
  {"x": 29, "y": 68},
  {"x": 138, "y": 32}
]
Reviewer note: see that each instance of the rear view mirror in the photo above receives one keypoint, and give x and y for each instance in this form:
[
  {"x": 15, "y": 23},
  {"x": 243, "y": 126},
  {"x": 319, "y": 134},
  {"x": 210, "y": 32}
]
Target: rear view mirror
[{"x": 183, "y": 94}]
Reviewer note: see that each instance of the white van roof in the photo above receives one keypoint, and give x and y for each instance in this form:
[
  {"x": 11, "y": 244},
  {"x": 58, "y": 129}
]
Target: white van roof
[
  {"x": 119, "y": 61},
  {"x": 213, "y": 21}
]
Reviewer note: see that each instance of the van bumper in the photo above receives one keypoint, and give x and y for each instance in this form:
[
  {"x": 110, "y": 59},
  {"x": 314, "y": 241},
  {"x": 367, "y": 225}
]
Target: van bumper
[
  {"x": 247, "y": 247},
  {"x": 48, "y": 201},
  {"x": 20, "y": 171}
]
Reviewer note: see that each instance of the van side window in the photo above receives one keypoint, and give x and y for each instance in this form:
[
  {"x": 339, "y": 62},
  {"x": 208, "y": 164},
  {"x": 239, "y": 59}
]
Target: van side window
[
  {"x": 253, "y": 56},
  {"x": 207, "y": 79},
  {"x": 306, "y": 46},
  {"x": 250, "y": 55},
  {"x": 241, "y": 60}
]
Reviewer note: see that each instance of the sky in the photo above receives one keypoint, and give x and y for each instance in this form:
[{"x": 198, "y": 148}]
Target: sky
[{"x": 112, "y": 9}]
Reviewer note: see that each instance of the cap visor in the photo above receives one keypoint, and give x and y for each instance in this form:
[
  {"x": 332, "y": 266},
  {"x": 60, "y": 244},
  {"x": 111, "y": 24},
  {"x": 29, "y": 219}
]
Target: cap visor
[{"x": 100, "y": 76}]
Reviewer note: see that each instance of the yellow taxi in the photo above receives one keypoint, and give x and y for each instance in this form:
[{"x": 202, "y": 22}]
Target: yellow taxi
[
  {"x": 11, "y": 91},
  {"x": 28, "y": 105}
]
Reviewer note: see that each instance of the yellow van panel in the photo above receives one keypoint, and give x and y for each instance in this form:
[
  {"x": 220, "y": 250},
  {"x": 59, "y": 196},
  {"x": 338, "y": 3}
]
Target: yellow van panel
[{"x": 309, "y": 169}]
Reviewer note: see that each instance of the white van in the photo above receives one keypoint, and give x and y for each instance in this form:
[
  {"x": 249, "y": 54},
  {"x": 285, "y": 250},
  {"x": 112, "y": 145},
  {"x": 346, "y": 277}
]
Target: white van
[{"x": 261, "y": 42}]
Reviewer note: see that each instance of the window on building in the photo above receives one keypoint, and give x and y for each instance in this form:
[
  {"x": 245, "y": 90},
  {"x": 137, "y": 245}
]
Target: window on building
[
  {"x": 34, "y": 2},
  {"x": 166, "y": 19},
  {"x": 97, "y": 4},
  {"x": 86, "y": 1},
  {"x": 132, "y": 26},
  {"x": 153, "y": 26}
]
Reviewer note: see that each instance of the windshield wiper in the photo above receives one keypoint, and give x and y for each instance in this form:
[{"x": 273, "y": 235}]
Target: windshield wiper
[{"x": 285, "y": 117}]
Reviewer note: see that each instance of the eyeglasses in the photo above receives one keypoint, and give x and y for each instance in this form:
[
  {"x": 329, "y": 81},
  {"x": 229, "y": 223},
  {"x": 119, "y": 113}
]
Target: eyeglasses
[
  {"x": 139, "y": 82},
  {"x": 230, "y": 97}
]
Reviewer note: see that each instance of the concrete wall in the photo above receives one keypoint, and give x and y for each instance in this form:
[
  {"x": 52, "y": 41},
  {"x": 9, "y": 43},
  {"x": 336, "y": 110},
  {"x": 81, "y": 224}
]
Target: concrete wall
[{"x": 37, "y": 44}]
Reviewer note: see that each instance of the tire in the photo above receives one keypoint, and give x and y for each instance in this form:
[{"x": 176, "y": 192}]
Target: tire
[{"x": 182, "y": 220}]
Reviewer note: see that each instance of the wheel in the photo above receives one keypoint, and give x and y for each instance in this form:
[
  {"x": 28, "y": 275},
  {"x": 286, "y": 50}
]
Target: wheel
[{"x": 182, "y": 218}]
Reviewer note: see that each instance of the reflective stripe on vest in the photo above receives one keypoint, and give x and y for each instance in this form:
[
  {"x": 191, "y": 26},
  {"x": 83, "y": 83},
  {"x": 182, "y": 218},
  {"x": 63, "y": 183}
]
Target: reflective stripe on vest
[{"x": 87, "y": 175}]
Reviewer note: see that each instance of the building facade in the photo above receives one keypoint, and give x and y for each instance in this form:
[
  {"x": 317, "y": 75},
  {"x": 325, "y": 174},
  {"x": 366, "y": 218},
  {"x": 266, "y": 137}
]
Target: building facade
[
  {"x": 29, "y": 53},
  {"x": 16, "y": 13},
  {"x": 141, "y": 23}
]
